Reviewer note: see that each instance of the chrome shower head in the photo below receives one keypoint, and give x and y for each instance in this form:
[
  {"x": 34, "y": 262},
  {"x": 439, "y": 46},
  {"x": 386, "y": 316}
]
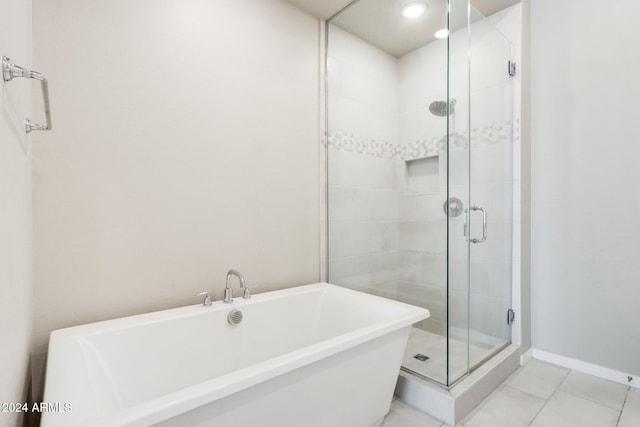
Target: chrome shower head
[{"x": 439, "y": 108}]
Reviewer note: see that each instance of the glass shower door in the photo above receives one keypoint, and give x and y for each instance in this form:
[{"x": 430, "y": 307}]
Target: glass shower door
[
  {"x": 415, "y": 145},
  {"x": 459, "y": 195},
  {"x": 491, "y": 189},
  {"x": 480, "y": 178}
]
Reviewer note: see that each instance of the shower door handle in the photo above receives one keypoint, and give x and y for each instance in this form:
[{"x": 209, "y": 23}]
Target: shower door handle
[{"x": 467, "y": 224}]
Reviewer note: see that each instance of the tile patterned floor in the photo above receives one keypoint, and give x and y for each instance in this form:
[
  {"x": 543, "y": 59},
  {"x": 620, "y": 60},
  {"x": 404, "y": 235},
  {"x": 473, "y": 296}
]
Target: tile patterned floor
[
  {"x": 541, "y": 395},
  {"x": 435, "y": 346}
]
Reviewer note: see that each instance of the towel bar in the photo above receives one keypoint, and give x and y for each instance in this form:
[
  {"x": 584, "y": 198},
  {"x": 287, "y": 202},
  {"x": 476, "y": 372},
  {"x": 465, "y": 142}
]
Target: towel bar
[{"x": 11, "y": 71}]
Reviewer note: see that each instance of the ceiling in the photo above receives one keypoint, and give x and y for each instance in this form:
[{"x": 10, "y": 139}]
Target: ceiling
[
  {"x": 398, "y": 36},
  {"x": 325, "y": 9}
]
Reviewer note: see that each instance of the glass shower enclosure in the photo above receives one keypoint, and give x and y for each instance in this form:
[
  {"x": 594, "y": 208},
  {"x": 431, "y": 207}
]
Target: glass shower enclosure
[{"x": 420, "y": 173}]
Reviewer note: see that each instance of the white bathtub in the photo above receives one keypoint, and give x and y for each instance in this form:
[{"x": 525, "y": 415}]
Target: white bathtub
[{"x": 312, "y": 356}]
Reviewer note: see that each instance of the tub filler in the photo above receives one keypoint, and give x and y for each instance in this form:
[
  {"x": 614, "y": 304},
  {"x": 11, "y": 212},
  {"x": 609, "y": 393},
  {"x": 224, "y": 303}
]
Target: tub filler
[{"x": 312, "y": 356}]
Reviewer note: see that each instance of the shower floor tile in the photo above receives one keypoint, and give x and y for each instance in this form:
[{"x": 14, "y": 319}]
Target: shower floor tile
[{"x": 434, "y": 346}]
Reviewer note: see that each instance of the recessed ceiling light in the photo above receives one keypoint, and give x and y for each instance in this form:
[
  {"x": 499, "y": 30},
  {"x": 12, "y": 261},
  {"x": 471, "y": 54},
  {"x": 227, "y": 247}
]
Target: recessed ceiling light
[
  {"x": 440, "y": 34},
  {"x": 413, "y": 10}
]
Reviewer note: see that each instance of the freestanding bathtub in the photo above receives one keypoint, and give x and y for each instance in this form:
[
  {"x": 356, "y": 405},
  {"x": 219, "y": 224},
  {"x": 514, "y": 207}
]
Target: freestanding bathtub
[{"x": 312, "y": 356}]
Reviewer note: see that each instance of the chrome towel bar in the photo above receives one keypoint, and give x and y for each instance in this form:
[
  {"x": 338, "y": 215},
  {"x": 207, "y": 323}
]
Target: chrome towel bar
[{"x": 11, "y": 71}]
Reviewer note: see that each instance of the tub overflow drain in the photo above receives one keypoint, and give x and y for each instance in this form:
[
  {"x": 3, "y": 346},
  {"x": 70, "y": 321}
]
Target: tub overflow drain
[
  {"x": 234, "y": 317},
  {"x": 421, "y": 357}
]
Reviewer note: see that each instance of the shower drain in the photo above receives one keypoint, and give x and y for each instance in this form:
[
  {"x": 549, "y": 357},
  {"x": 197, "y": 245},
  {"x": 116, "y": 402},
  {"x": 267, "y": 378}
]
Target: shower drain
[{"x": 421, "y": 357}]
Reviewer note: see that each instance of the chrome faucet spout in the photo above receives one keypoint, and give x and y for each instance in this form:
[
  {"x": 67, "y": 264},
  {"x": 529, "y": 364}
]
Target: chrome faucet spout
[{"x": 228, "y": 291}]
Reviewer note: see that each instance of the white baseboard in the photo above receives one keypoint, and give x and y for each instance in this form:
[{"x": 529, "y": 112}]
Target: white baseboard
[
  {"x": 526, "y": 356},
  {"x": 588, "y": 368}
]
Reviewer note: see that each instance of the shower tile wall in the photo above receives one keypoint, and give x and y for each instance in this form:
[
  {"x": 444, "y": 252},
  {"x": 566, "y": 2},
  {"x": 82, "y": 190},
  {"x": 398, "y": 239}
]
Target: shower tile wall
[
  {"x": 390, "y": 241},
  {"x": 363, "y": 184},
  {"x": 422, "y": 76}
]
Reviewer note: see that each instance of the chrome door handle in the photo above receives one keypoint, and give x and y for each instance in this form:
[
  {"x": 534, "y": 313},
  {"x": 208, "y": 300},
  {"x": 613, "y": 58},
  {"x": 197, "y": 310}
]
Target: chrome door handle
[{"x": 467, "y": 222}]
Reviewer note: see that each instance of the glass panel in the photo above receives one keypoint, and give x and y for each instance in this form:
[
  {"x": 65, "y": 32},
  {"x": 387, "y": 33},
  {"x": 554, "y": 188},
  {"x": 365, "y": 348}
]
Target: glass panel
[
  {"x": 387, "y": 164},
  {"x": 492, "y": 189},
  {"x": 363, "y": 169},
  {"x": 458, "y": 186},
  {"x": 423, "y": 111}
]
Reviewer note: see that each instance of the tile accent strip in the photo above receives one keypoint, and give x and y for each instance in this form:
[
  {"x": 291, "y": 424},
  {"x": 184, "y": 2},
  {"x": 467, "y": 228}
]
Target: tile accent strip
[{"x": 487, "y": 135}]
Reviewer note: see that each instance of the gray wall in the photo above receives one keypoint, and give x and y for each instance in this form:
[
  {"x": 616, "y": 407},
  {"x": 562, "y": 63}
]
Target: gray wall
[
  {"x": 15, "y": 211},
  {"x": 186, "y": 142},
  {"x": 586, "y": 180},
  {"x": 525, "y": 182}
]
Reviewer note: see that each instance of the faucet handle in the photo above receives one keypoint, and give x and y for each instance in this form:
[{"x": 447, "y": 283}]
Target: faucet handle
[
  {"x": 207, "y": 298},
  {"x": 247, "y": 294}
]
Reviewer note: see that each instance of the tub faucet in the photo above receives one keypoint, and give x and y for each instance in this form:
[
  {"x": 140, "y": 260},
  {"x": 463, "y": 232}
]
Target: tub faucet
[
  {"x": 228, "y": 292},
  {"x": 207, "y": 298}
]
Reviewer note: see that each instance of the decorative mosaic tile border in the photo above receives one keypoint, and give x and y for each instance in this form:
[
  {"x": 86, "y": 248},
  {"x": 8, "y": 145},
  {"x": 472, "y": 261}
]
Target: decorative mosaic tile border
[
  {"x": 343, "y": 141},
  {"x": 487, "y": 135}
]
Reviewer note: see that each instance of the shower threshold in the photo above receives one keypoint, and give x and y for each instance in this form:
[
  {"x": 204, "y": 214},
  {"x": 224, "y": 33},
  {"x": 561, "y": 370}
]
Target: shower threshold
[{"x": 452, "y": 404}]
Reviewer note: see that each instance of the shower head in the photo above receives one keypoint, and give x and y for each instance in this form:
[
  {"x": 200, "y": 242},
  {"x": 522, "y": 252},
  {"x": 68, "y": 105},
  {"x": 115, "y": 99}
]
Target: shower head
[{"x": 439, "y": 108}]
